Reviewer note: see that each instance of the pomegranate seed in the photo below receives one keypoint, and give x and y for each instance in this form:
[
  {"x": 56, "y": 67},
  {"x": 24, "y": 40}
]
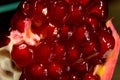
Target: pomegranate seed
[
  {"x": 90, "y": 76},
  {"x": 58, "y": 11},
  {"x": 76, "y": 13},
  {"x": 59, "y": 52},
  {"x": 39, "y": 56},
  {"x": 38, "y": 13},
  {"x": 100, "y": 7},
  {"x": 74, "y": 77},
  {"x": 65, "y": 30},
  {"x": 73, "y": 54},
  {"x": 106, "y": 41},
  {"x": 81, "y": 33},
  {"x": 70, "y": 1},
  {"x": 93, "y": 20},
  {"x": 55, "y": 70},
  {"x": 22, "y": 55},
  {"x": 90, "y": 47},
  {"x": 81, "y": 66},
  {"x": 38, "y": 70},
  {"x": 84, "y": 2},
  {"x": 25, "y": 8}
]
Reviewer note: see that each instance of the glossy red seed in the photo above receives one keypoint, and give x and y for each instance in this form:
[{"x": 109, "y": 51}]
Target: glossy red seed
[
  {"x": 38, "y": 70},
  {"x": 58, "y": 11},
  {"x": 81, "y": 66},
  {"x": 25, "y": 8},
  {"x": 81, "y": 33},
  {"x": 91, "y": 76},
  {"x": 50, "y": 30},
  {"x": 76, "y": 13},
  {"x": 90, "y": 47},
  {"x": 65, "y": 29},
  {"x": 84, "y": 2},
  {"x": 38, "y": 7},
  {"x": 100, "y": 7},
  {"x": 73, "y": 54},
  {"x": 55, "y": 70},
  {"x": 94, "y": 21},
  {"x": 22, "y": 55},
  {"x": 70, "y": 1},
  {"x": 38, "y": 13},
  {"x": 74, "y": 77},
  {"x": 59, "y": 52},
  {"x": 106, "y": 41},
  {"x": 43, "y": 52}
]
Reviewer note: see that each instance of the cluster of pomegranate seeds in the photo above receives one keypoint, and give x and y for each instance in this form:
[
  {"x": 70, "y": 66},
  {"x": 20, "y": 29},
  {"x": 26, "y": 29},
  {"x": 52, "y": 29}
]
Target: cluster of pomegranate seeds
[{"x": 60, "y": 39}]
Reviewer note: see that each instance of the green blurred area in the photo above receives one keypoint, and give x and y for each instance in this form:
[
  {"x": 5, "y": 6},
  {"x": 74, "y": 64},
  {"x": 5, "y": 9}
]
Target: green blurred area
[{"x": 114, "y": 11}]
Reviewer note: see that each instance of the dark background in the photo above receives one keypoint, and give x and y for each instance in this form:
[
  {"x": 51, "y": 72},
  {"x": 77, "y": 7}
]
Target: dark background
[
  {"x": 114, "y": 11},
  {"x": 6, "y": 16}
]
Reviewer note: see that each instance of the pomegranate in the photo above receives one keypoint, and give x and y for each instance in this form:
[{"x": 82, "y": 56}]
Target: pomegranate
[{"x": 62, "y": 40}]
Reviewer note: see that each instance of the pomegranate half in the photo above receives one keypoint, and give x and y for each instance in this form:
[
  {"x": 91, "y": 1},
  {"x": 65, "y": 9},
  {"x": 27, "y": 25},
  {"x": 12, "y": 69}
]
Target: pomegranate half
[{"x": 60, "y": 40}]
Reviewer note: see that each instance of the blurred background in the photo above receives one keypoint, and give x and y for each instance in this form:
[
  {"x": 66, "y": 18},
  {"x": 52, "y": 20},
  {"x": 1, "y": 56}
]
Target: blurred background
[{"x": 114, "y": 11}]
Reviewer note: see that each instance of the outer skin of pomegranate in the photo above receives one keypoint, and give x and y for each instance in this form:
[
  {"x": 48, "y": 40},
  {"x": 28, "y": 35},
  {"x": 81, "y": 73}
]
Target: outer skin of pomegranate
[{"x": 110, "y": 64}]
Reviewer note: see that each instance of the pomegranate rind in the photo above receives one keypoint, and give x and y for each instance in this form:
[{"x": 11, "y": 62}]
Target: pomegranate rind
[{"x": 106, "y": 71}]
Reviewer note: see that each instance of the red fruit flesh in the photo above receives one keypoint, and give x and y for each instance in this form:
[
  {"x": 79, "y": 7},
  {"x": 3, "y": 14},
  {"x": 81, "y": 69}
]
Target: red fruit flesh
[
  {"x": 91, "y": 76},
  {"x": 22, "y": 55},
  {"x": 63, "y": 40}
]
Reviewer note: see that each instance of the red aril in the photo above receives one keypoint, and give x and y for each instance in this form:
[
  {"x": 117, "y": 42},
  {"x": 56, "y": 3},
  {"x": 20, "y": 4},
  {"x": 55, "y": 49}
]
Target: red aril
[
  {"x": 106, "y": 41},
  {"x": 22, "y": 55},
  {"x": 43, "y": 53},
  {"x": 91, "y": 76},
  {"x": 58, "y": 10},
  {"x": 99, "y": 7},
  {"x": 73, "y": 54},
  {"x": 76, "y": 13},
  {"x": 55, "y": 70},
  {"x": 84, "y": 2},
  {"x": 93, "y": 20}
]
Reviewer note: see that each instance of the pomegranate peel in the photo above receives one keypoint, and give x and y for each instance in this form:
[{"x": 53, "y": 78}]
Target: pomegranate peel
[{"x": 108, "y": 68}]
